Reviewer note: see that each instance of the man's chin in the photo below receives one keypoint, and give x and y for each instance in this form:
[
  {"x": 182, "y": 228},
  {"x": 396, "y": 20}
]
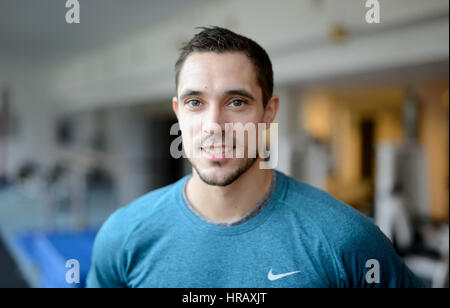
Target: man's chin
[
  {"x": 217, "y": 177},
  {"x": 222, "y": 174}
]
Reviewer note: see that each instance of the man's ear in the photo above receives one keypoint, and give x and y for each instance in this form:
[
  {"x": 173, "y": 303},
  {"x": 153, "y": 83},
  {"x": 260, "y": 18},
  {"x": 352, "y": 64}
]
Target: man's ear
[
  {"x": 271, "y": 109},
  {"x": 175, "y": 105}
]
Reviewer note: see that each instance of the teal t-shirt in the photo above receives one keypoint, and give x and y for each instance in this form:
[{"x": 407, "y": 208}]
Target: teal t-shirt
[{"x": 301, "y": 237}]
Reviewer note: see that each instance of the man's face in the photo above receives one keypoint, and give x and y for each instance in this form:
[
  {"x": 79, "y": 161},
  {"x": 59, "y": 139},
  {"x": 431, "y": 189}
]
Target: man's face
[{"x": 214, "y": 89}]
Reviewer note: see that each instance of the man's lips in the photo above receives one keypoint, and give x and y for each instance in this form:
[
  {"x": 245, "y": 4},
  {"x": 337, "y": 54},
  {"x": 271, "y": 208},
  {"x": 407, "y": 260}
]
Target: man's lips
[
  {"x": 216, "y": 153},
  {"x": 215, "y": 146}
]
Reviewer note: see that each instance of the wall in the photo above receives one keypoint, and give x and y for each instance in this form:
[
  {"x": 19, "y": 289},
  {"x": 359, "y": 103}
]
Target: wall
[{"x": 295, "y": 33}]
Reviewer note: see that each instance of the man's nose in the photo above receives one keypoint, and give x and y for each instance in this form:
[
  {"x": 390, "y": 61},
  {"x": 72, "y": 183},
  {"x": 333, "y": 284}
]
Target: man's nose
[{"x": 213, "y": 122}]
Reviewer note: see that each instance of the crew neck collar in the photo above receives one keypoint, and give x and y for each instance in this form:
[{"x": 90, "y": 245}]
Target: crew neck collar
[{"x": 249, "y": 221}]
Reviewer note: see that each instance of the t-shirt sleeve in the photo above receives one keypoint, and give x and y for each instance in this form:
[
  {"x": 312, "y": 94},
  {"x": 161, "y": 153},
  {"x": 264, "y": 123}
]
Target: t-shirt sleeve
[
  {"x": 106, "y": 262},
  {"x": 370, "y": 261}
]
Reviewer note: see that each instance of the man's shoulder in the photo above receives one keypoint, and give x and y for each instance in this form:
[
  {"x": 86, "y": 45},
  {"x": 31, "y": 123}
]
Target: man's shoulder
[
  {"x": 303, "y": 197},
  {"x": 346, "y": 231},
  {"x": 153, "y": 200},
  {"x": 145, "y": 208},
  {"x": 332, "y": 216},
  {"x": 352, "y": 238}
]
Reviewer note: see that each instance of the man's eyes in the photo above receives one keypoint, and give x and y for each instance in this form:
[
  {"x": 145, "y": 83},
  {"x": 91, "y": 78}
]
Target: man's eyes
[
  {"x": 194, "y": 103},
  {"x": 235, "y": 103},
  {"x": 238, "y": 103}
]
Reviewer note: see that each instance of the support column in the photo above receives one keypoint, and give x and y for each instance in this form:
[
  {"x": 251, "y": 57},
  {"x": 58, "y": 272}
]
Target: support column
[
  {"x": 290, "y": 135},
  {"x": 128, "y": 141}
]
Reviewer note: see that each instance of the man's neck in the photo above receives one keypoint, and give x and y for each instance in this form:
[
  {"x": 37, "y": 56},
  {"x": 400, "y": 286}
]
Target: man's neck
[{"x": 229, "y": 203}]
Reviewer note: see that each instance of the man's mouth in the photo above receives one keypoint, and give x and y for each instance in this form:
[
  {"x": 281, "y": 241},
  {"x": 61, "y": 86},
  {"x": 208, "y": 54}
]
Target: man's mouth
[{"x": 216, "y": 153}]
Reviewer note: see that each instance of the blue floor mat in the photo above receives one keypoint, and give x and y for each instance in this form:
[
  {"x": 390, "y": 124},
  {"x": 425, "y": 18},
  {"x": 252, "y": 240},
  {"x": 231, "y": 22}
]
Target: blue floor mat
[{"x": 49, "y": 251}]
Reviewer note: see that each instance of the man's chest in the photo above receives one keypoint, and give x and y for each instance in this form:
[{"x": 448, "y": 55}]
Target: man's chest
[{"x": 225, "y": 263}]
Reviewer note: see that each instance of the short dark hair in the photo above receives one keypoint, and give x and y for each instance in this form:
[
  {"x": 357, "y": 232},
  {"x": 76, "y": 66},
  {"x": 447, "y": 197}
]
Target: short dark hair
[{"x": 220, "y": 40}]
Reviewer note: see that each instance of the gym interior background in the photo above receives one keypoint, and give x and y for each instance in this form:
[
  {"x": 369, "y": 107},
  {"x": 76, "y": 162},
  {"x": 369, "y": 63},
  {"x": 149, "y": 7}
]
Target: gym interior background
[{"x": 85, "y": 116}]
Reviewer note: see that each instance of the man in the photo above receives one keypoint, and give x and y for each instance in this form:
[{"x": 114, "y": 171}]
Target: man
[{"x": 232, "y": 223}]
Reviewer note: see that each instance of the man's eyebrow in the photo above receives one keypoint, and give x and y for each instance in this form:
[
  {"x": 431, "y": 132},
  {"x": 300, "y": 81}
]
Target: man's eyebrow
[
  {"x": 190, "y": 92},
  {"x": 241, "y": 92}
]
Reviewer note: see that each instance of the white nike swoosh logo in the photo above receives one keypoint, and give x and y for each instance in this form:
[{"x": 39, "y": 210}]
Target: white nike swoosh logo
[{"x": 271, "y": 276}]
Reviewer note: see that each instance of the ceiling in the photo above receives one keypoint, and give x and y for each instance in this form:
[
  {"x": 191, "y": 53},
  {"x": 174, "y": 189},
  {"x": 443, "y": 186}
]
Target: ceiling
[{"x": 36, "y": 30}]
